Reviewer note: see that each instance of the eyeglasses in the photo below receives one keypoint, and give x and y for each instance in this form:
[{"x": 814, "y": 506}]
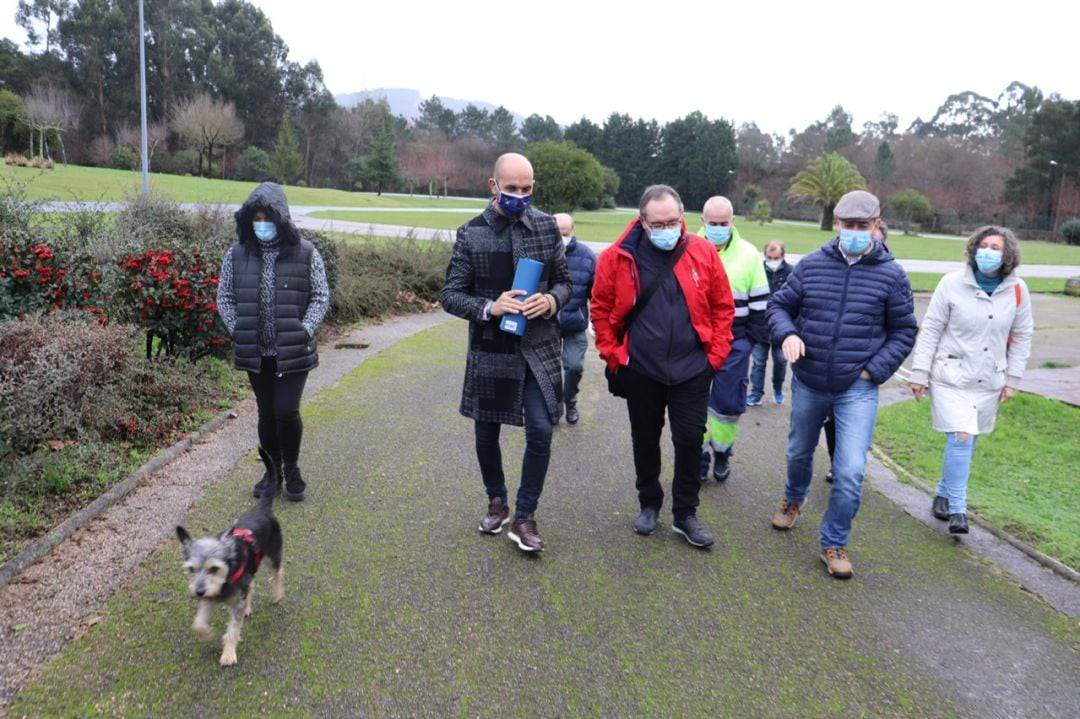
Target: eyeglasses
[{"x": 667, "y": 225}]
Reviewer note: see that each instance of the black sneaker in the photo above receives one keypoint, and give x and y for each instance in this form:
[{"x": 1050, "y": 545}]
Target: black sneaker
[
  {"x": 830, "y": 477},
  {"x": 572, "y": 415},
  {"x": 294, "y": 485},
  {"x": 692, "y": 531},
  {"x": 646, "y": 521},
  {"x": 721, "y": 468}
]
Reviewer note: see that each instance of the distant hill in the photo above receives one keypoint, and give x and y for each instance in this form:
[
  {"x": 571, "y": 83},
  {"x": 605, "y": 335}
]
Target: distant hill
[{"x": 406, "y": 102}]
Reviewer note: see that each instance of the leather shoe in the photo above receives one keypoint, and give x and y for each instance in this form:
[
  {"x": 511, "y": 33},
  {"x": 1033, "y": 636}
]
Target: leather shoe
[
  {"x": 721, "y": 468},
  {"x": 958, "y": 524},
  {"x": 940, "y": 507},
  {"x": 692, "y": 531},
  {"x": 646, "y": 521}
]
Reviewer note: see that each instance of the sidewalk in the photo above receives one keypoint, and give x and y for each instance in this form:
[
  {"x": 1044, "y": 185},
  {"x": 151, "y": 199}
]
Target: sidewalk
[{"x": 396, "y": 606}]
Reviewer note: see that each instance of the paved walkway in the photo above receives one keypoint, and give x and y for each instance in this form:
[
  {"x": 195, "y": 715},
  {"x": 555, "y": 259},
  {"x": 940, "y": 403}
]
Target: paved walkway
[{"x": 396, "y": 606}]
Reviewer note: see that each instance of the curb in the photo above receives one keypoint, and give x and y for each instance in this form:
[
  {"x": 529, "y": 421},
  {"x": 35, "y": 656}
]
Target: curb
[
  {"x": 43, "y": 545},
  {"x": 1046, "y": 560}
]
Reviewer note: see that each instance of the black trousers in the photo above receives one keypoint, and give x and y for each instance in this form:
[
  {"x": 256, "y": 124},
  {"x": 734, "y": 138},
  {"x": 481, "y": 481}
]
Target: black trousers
[
  {"x": 278, "y": 399},
  {"x": 687, "y": 406}
]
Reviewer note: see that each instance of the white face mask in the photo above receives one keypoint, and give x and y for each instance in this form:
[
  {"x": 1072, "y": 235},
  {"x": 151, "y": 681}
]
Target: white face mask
[
  {"x": 773, "y": 265},
  {"x": 566, "y": 239}
]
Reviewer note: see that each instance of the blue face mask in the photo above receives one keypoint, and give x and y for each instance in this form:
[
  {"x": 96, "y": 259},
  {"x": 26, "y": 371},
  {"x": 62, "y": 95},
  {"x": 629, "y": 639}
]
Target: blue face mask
[
  {"x": 987, "y": 260},
  {"x": 665, "y": 239},
  {"x": 854, "y": 242},
  {"x": 513, "y": 205},
  {"x": 716, "y": 234},
  {"x": 265, "y": 231}
]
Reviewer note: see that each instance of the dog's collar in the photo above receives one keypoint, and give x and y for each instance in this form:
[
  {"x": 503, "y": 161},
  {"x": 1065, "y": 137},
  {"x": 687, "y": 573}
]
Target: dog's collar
[{"x": 247, "y": 554}]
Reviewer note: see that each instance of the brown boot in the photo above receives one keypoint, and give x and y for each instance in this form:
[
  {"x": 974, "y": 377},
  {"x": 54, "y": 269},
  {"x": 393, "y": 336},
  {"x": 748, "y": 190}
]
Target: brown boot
[
  {"x": 497, "y": 515},
  {"x": 523, "y": 531},
  {"x": 786, "y": 515}
]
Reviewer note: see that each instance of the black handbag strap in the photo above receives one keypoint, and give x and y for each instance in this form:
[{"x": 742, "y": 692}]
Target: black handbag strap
[{"x": 651, "y": 290}]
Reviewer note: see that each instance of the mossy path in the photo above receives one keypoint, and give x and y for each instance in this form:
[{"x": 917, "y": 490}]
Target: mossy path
[{"x": 396, "y": 606}]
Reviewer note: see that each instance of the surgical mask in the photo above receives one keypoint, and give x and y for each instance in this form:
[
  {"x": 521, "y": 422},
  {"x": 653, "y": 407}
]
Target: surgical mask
[
  {"x": 717, "y": 234},
  {"x": 265, "y": 231},
  {"x": 566, "y": 240},
  {"x": 513, "y": 205},
  {"x": 988, "y": 260},
  {"x": 854, "y": 242},
  {"x": 665, "y": 239},
  {"x": 773, "y": 265}
]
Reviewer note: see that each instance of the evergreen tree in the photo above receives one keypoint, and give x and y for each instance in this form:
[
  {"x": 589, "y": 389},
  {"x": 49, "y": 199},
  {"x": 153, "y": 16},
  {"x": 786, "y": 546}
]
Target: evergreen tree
[{"x": 286, "y": 160}]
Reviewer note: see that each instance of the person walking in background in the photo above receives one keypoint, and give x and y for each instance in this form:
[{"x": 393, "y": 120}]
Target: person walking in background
[
  {"x": 846, "y": 321},
  {"x": 971, "y": 354},
  {"x": 510, "y": 379},
  {"x": 574, "y": 317},
  {"x": 272, "y": 296},
  {"x": 750, "y": 291},
  {"x": 662, "y": 310},
  {"x": 777, "y": 270}
]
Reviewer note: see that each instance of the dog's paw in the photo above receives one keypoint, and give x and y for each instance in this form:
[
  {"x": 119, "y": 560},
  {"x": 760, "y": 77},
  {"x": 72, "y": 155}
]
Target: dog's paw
[
  {"x": 203, "y": 631},
  {"x": 247, "y": 610},
  {"x": 277, "y": 594},
  {"x": 228, "y": 657}
]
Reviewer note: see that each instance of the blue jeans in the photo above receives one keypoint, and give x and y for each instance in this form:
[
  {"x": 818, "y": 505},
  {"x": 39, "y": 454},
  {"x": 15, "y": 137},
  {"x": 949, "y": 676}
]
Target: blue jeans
[
  {"x": 573, "y": 360},
  {"x": 537, "y": 452},
  {"x": 855, "y": 412},
  {"x": 757, "y": 373},
  {"x": 955, "y": 469}
]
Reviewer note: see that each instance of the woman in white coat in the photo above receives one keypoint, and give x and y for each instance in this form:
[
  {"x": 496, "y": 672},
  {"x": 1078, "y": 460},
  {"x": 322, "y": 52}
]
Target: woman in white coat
[{"x": 971, "y": 353}]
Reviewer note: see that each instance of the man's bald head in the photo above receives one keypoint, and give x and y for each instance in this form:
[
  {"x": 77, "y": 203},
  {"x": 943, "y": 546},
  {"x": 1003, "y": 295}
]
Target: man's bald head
[
  {"x": 718, "y": 206},
  {"x": 513, "y": 174},
  {"x": 565, "y": 223}
]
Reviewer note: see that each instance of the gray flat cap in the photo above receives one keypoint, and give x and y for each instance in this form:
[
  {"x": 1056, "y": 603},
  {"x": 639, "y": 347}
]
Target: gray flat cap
[{"x": 858, "y": 205}]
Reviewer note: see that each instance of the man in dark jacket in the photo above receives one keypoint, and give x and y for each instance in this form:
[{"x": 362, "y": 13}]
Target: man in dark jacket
[
  {"x": 574, "y": 317},
  {"x": 777, "y": 270},
  {"x": 510, "y": 379},
  {"x": 846, "y": 321},
  {"x": 666, "y": 359}
]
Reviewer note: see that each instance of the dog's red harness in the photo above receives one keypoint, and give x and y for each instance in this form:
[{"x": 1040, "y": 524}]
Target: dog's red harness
[{"x": 248, "y": 557}]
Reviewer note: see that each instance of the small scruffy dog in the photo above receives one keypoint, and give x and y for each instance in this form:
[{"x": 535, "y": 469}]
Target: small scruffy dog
[{"x": 222, "y": 568}]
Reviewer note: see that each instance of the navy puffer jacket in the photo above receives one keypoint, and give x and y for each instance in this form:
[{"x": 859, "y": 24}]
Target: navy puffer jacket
[
  {"x": 850, "y": 317},
  {"x": 581, "y": 260}
]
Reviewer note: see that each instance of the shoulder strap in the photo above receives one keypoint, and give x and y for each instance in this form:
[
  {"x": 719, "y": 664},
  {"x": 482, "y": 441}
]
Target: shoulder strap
[{"x": 651, "y": 289}]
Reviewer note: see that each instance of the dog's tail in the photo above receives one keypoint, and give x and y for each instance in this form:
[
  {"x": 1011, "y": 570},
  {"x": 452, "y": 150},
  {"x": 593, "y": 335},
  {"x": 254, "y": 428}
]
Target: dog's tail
[{"x": 274, "y": 473}]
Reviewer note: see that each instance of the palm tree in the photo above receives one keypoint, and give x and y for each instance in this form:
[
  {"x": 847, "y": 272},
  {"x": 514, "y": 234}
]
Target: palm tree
[{"x": 824, "y": 182}]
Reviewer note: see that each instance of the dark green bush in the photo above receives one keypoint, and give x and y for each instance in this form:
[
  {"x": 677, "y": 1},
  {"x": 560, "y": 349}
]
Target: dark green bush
[
  {"x": 123, "y": 158},
  {"x": 67, "y": 378},
  {"x": 254, "y": 165},
  {"x": 1071, "y": 230},
  {"x": 377, "y": 279}
]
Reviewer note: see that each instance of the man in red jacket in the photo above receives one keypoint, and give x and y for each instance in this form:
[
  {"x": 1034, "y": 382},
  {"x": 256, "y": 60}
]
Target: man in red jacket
[{"x": 662, "y": 309}]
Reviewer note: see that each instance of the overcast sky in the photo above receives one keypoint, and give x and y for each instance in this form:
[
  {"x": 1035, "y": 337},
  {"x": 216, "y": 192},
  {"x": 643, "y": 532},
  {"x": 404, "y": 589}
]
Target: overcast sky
[{"x": 780, "y": 64}]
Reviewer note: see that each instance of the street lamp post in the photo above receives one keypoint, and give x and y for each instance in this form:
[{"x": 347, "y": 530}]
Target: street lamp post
[{"x": 142, "y": 90}]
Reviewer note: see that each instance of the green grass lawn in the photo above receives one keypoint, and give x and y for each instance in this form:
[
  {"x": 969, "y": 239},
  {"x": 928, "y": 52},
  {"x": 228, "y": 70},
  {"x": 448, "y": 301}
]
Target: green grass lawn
[
  {"x": 95, "y": 184},
  {"x": 799, "y": 238},
  {"x": 1023, "y": 477}
]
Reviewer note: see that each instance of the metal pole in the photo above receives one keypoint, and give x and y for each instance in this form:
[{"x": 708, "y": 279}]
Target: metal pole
[
  {"x": 1061, "y": 191},
  {"x": 142, "y": 88}
]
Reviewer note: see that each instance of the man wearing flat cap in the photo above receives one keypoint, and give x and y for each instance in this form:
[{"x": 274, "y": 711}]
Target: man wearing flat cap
[{"x": 845, "y": 319}]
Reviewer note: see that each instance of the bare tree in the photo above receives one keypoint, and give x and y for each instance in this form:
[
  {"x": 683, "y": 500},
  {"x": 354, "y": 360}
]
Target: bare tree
[
  {"x": 205, "y": 124},
  {"x": 49, "y": 111}
]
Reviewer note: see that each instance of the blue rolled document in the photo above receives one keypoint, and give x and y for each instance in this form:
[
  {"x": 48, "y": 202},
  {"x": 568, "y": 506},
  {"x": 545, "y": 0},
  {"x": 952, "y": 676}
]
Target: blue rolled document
[{"x": 527, "y": 277}]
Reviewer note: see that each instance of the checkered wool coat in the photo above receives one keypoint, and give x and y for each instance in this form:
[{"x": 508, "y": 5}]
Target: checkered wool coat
[{"x": 486, "y": 252}]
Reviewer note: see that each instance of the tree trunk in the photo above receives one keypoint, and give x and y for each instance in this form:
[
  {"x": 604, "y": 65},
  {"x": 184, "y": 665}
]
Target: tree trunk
[
  {"x": 827, "y": 217},
  {"x": 63, "y": 152}
]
